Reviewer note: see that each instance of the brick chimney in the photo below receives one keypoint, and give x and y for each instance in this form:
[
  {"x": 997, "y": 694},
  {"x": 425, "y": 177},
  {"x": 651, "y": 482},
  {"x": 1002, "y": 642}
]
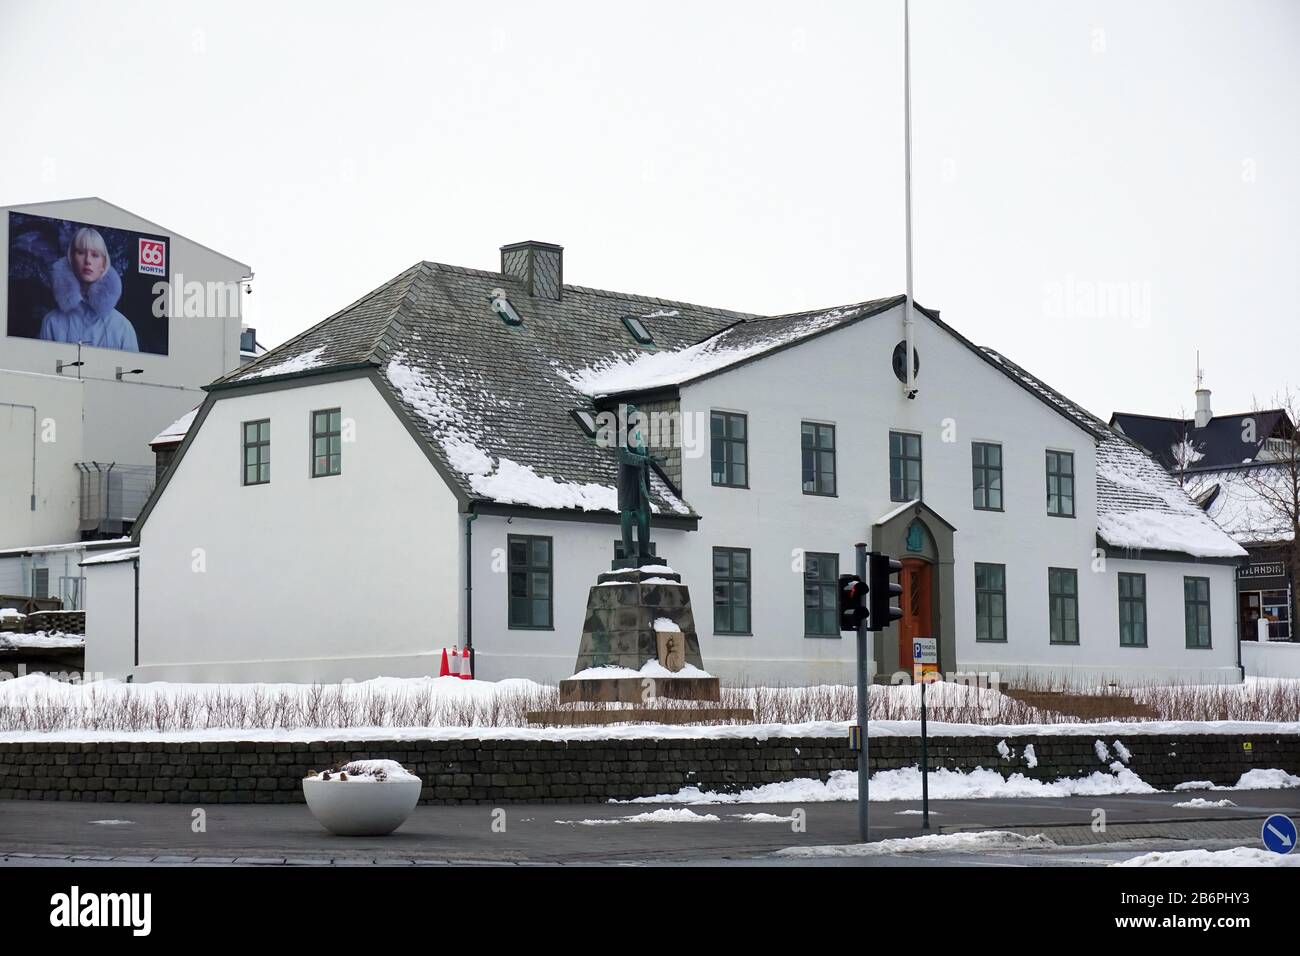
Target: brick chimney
[{"x": 538, "y": 265}]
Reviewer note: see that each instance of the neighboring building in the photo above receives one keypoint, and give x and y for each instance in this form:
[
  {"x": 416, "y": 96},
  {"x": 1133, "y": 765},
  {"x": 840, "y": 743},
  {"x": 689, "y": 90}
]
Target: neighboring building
[
  {"x": 92, "y": 365},
  {"x": 52, "y": 571},
  {"x": 429, "y": 464},
  {"x": 1234, "y": 466}
]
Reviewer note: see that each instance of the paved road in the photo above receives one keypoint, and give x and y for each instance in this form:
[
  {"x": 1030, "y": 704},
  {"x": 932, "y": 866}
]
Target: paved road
[{"x": 50, "y": 833}]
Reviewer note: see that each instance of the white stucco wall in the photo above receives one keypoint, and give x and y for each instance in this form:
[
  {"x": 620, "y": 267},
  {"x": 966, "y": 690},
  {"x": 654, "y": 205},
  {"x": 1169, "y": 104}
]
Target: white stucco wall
[
  {"x": 110, "y": 620},
  {"x": 845, "y": 378},
  {"x": 348, "y": 576},
  {"x": 582, "y": 550}
]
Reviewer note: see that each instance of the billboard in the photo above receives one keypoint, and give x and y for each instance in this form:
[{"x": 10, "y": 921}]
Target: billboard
[{"x": 97, "y": 285}]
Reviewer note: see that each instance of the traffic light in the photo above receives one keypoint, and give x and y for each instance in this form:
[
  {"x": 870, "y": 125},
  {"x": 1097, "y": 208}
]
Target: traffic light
[
  {"x": 852, "y": 603},
  {"x": 881, "y": 569}
]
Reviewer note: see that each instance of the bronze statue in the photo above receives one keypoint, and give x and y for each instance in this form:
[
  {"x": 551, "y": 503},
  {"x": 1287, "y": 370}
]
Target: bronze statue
[{"x": 634, "y": 494}]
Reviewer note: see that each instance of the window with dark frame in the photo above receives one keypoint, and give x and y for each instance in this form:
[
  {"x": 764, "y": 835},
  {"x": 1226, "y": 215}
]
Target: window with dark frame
[
  {"x": 1063, "y": 605},
  {"x": 40, "y": 582},
  {"x": 904, "y": 466},
  {"x": 729, "y": 436},
  {"x": 1132, "y": 609},
  {"x": 986, "y": 468},
  {"x": 326, "y": 442},
  {"x": 529, "y": 564},
  {"x": 1060, "y": 483},
  {"x": 820, "y": 597},
  {"x": 731, "y": 596},
  {"x": 1196, "y": 609},
  {"x": 817, "y": 443},
  {"x": 257, "y": 452},
  {"x": 991, "y": 602}
]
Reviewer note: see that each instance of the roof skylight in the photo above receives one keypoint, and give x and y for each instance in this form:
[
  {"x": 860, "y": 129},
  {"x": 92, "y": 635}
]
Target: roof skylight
[
  {"x": 502, "y": 307},
  {"x": 638, "y": 330}
]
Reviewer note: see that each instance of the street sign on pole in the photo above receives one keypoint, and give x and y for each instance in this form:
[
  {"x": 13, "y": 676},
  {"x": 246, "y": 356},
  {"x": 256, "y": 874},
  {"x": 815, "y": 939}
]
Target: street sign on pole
[
  {"x": 1279, "y": 833},
  {"x": 925, "y": 658}
]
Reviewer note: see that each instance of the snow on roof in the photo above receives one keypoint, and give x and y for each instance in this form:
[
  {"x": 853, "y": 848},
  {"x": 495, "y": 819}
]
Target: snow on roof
[
  {"x": 1241, "y": 502},
  {"x": 113, "y": 557},
  {"x": 503, "y": 480},
  {"x": 71, "y": 546},
  {"x": 177, "y": 430},
  {"x": 1141, "y": 506},
  {"x": 301, "y": 362},
  {"x": 745, "y": 340}
]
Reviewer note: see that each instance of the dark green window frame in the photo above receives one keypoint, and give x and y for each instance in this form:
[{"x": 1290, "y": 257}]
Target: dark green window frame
[
  {"x": 904, "y": 466},
  {"x": 729, "y": 449},
  {"x": 732, "y": 593},
  {"x": 1063, "y": 605},
  {"x": 821, "y": 576},
  {"x": 1060, "y": 484},
  {"x": 817, "y": 450},
  {"x": 1196, "y": 612},
  {"x": 326, "y": 442},
  {"x": 991, "y": 603},
  {"x": 1132, "y": 609},
  {"x": 256, "y": 437},
  {"x": 530, "y": 582},
  {"x": 986, "y": 475}
]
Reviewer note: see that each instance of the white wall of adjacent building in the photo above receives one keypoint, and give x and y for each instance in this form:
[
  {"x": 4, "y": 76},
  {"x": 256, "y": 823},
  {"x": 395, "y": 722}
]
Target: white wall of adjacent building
[
  {"x": 308, "y": 579},
  {"x": 99, "y": 417}
]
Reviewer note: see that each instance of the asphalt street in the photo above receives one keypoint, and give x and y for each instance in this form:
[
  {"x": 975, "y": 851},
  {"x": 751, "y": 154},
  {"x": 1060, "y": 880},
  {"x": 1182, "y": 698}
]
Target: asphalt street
[{"x": 36, "y": 833}]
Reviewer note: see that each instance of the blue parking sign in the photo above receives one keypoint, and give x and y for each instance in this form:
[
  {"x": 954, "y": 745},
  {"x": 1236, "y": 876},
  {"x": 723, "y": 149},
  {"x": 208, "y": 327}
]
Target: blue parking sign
[{"x": 1279, "y": 833}]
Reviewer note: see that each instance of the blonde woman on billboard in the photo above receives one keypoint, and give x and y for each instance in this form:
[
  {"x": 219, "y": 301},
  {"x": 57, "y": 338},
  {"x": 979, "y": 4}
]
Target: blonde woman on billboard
[{"x": 86, "y": 292}]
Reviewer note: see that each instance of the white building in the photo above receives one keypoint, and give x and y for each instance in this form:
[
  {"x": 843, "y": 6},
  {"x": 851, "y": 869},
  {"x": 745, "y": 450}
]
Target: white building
[
  {"x": 415, "y": 471},
  {"x": 85, "y": 386}
]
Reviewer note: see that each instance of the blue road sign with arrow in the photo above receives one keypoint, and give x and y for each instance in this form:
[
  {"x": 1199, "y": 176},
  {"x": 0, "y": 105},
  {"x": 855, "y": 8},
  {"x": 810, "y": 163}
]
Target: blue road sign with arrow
[{"x": 1279, "y": 833}]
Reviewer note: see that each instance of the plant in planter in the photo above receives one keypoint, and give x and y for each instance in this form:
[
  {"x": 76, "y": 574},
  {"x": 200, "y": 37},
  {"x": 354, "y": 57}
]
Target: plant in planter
[{"x": 362, "y": 797}]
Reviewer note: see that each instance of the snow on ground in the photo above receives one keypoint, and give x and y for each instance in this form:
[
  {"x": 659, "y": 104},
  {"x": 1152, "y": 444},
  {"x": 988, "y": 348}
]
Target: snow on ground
[
  {"x": 666, "y": 815},
  {"x": 980, "y": 841},
  {"x": 463, "y": 710},
  {"x": 763, "y": 817},
  {"x": 905, "y": 784},
  {"x": 1199, "y": 803},
  {"x": 1257, "y": 779},
  {"x": 1237, "y": 856}
]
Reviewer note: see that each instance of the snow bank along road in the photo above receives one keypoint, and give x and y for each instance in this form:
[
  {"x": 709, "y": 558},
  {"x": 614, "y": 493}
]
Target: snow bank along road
[{"x": 49, "y": 832}]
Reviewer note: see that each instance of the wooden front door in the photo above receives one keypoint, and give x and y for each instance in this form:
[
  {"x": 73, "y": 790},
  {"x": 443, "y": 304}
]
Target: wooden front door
[{"x": 917, "y": 620}]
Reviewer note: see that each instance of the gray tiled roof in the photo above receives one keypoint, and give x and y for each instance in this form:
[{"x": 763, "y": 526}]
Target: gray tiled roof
[{"x": 499, "y": 386}]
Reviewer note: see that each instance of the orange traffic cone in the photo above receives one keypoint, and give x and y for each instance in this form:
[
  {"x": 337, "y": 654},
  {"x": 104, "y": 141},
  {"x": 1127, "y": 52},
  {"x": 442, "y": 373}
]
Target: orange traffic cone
[
  {"x": 455, "y": 661},
  {"x": 466, "y": 671},
  {"x": 445, "y": 669}
]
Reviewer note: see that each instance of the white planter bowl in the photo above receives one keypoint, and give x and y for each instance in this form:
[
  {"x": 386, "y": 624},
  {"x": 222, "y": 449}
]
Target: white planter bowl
[{"x": 361, "y": 807}]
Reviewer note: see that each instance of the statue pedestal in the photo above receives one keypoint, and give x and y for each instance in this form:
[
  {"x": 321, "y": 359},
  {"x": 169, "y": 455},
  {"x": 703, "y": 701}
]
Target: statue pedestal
[{"x": 619, "y": 632}]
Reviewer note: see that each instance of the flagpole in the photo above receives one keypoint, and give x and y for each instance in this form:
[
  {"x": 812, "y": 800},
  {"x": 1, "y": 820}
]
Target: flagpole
[{"x": 909, "y": 361}]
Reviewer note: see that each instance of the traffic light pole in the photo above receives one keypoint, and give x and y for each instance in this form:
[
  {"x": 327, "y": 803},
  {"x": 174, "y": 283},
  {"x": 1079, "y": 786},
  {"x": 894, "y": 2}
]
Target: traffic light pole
[{"x": 862, "y": 706}]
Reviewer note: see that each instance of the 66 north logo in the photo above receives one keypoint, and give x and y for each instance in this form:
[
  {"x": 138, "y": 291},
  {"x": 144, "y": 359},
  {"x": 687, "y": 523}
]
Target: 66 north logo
[{"x": 153, "y": 257}]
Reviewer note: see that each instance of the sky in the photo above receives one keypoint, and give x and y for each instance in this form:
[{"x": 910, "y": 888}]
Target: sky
[{"x": 1100, "y": 189}]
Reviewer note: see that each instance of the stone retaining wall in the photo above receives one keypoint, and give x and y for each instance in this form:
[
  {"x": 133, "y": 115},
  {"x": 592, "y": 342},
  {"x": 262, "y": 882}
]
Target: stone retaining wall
[{"x": 575, "y": 771}]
